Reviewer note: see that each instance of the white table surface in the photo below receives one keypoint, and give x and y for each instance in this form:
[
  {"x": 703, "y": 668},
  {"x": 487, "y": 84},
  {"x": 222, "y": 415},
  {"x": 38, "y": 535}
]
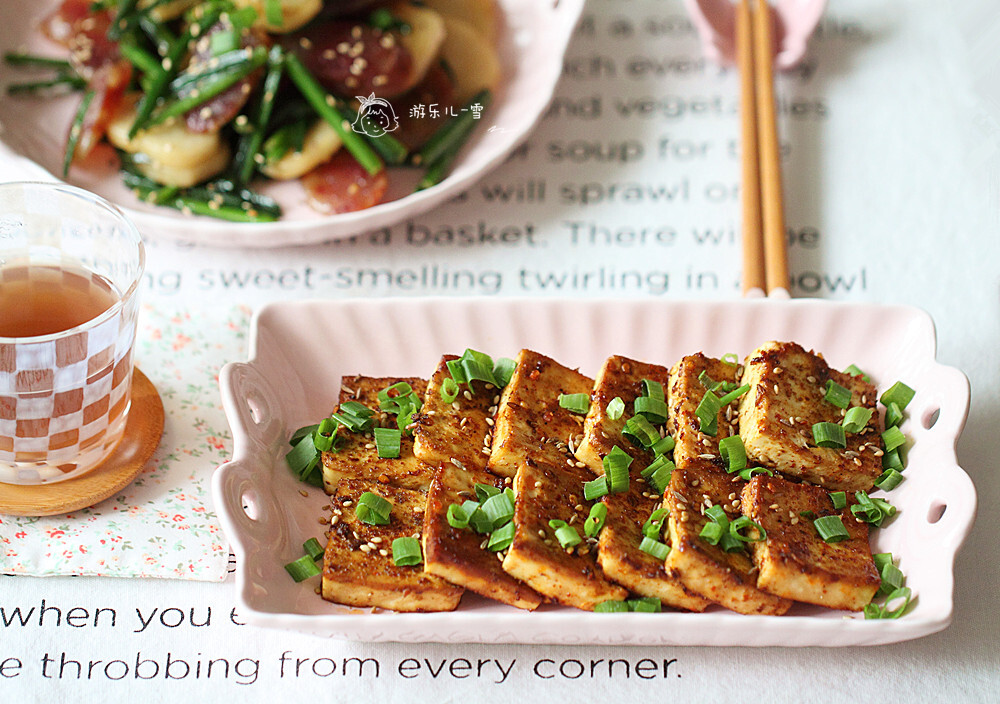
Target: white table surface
[{"x": 894, "y": 162}]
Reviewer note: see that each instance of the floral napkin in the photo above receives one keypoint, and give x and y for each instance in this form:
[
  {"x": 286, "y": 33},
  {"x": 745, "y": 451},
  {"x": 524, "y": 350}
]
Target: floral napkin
[{"x": 163, "y": 524}]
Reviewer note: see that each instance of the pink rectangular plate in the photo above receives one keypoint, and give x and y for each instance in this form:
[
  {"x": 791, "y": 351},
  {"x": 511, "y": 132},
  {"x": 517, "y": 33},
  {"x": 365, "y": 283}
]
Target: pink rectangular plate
[{"x": 300, "y": 350}]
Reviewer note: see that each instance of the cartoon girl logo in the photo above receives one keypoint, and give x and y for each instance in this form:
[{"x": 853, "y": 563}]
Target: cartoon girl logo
[{"x": 375, "y": 117}]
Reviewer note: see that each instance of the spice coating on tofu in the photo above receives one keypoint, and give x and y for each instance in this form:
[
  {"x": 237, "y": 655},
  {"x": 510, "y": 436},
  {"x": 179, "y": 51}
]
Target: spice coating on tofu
[
  {"x": 685, "y": 393},
  {"x": 530, "y": 424},
  {"x": 794, "y": 561},
  {"x": 358, "y": 569},
  {"x": 356, "y": 456},
  {"x": 460, "y": 431},
  {"x": 452, "y": 439},
  {"x": 786, "y": 397},
  {"x": 618, "y": 546},
  {"x": 569, "y": 576}
]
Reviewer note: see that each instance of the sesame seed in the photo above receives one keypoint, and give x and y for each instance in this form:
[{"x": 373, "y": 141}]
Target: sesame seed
[
  {"x": 775, "y": 388},
  {"x": 334, "y": 520},
  {"x": 383, "y": 553},
  {"x": 369, "y": 446},
  {"x": 366, "y": 548},
  {"x": 348, "y": 503},
  {"x": 538, "y": 485},
  {"x": 581, "y": 465},
  {"x": 811, "y": 379},
  {"x": 377, "y": 539},
  {"x": 303, "y": 492}
]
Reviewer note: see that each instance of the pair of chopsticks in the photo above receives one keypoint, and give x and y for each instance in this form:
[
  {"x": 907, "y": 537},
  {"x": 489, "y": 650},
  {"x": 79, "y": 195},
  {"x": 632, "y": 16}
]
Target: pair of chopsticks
[{"x": 765, "y": 255}]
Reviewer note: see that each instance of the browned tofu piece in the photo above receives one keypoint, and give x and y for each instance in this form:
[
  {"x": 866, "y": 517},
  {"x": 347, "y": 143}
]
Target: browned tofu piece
[
  {"x": 785, "y": 400},
  {"x": 618, "y": 548},
  {"x": 727, "y": 578},
  {"x": 570, "y": 576},
  {"x": 356, "y": 456},
  {"x": 794, "y": 562},
  {"x": 461, "y": 430},
  {"x": 621, "y": 559},
  {"x": 684, "y": 395},
  {"x": 458, "y": 555},
  {"x": 530, "y": 422},
  {"x": 357, "y": 566}
]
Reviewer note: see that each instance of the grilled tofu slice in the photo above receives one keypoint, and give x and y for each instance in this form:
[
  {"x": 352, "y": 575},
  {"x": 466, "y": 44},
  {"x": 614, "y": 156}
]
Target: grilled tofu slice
[
  {"x": 794, "y": 562},
  {"x": 569, "y": 576},
  {"x": 548, "y": 483},
  {"x": 460, "y": 432},
  {"x": 459, "y": 555},
  {"x": 356, "y": 456},
  {"x": 357, "y": 565},
  {"x": 453, "y": 437},
  {"x": 727, "y": 578},
  {"x": 529, "y": 422},
  {"x": 685, "y": 393},
  {"x": 618, "y": 548},
  {"x": 700, "y": 481},
  {"x": 785, "y": 400}
]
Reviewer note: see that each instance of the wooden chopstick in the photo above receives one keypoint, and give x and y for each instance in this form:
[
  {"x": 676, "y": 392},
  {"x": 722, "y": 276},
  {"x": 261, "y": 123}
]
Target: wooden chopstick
[{"x": 765, "y": 255}]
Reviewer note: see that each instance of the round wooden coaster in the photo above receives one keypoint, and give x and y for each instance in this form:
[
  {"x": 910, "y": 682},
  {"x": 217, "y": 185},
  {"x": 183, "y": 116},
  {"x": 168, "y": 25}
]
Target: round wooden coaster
[{"x": 143, "y": 430}]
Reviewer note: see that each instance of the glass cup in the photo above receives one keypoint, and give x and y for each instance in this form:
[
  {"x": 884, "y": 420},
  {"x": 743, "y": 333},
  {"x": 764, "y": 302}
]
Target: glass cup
[{"x": 65, "y": 381}]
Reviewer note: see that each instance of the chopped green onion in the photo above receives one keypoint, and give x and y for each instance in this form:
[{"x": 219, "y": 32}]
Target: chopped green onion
[
  {"x": 478, "y": 520},
  {"x": 390, "y": 397},
  {"x": 485, "y": 491},
  {"x": 616, "y": 407},
  {"x": 653, "y": 527},
  {"x": 616, "y": 464},
  {"x": 565, "y": 533},
  {"x": 839, "y": 499},
  {"x": 653, "y": 389},
  {"x": 273, "y": 14},
  {"x": 836, "y": 394},
  {"x": 872, "y": 510},
  {"x": 831, "y": 529},
  {"x": 749, "y": 473},
  {"x": 810, "y": 515},
  {"x": 893, "y": 414},
  {"x": 663, "y": 445},
  {"x": 457, "y": 516},
  {"x": 733, "y": 452},
  {"x": 595, "y": 521},
  {"x": 893, "y": 460},
  {"x": 387, "y": 442},
  {"x": 659, "y": 478},
  {"x": 852, "y": 370},
  {"x": 449, "y": 390},
  {"x": 829, "y": 435},
  {"x": 640, "y": 431},
  {"x": 313, "y": 549},
  {"x": 743, "y": 522},
  {"x": 888, "y": 480},
  {"x": 899, "y": 393},
  {"x": 373, "y": 509},
  {"x": 717, "y": 514},
  {"x": 653, "y": 409},
  {"x": 893, "y": 437},
  {"x": 355, "y": 416},
  {"x": 711, "y": 385},
  {"x": 645, "y": 604},
  {"x": 503, "y": 370},
  {"x": 856, "y": 419},
  {"x": 731, "y": 359},
  {"x": 499, "y": 509},
  {"x": 304, "y": 458},
  {"x": 655, "y": 548},
  {"x": 733, "y": 395},
  {"x": 325, "y": 435},
  {"x": 611, "y": 606},
  {"x": 406, "y": 552},
  {"x": 595, "y": 488},
  {"x": 473, "y": 366},
  {"x": 892, "y": 578},
  {"x": 711, "y": 533},
  {"x": 303, "y": 568},
  {"x": 76, "y": 130},
  {"x": 501, "y": 538},
  {"x": 708, "y": 413},
  {"x": 874, "y": 611},
  {"x": 575, "y": 403}
]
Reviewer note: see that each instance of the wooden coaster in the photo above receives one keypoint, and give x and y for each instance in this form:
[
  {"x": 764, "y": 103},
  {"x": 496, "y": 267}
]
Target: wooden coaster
[{"x": 143, "y": 430}]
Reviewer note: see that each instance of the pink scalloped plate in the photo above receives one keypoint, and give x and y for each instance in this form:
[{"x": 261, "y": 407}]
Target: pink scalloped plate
[
  {"x": 534, "y": 37},
  {"x": 300, "y": 350}
]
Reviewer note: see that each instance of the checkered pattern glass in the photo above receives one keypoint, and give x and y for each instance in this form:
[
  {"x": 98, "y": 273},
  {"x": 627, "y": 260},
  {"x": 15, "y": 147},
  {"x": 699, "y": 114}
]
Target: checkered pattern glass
[{"x": 64, "y": 397}]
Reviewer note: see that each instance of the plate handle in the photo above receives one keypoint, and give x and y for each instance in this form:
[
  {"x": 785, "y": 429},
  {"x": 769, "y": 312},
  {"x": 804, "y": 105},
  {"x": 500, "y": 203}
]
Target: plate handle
[
  {"x": 252, "y": 408},
  {"x": 245, "y": 512}
]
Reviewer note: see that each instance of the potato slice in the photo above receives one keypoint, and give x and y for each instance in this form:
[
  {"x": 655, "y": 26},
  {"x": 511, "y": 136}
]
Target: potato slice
[
  {"x": 184, "y": 176},
  {"x": 320, "y": 143},
  {"x": 425, "y": 39},
  {"x": 483, "y": 15},
  {"x": 172, "y": 154},
  {"x": 294, "y": 13},
  {"x": 472, "y": 59}
]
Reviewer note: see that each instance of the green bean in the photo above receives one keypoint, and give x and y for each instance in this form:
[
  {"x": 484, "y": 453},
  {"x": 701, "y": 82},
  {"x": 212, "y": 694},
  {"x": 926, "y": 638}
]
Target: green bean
[
  {"x": 324, "y": 103},
  {"x": 249, "y": 143},
  {"x": 75, "y": 130}
]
